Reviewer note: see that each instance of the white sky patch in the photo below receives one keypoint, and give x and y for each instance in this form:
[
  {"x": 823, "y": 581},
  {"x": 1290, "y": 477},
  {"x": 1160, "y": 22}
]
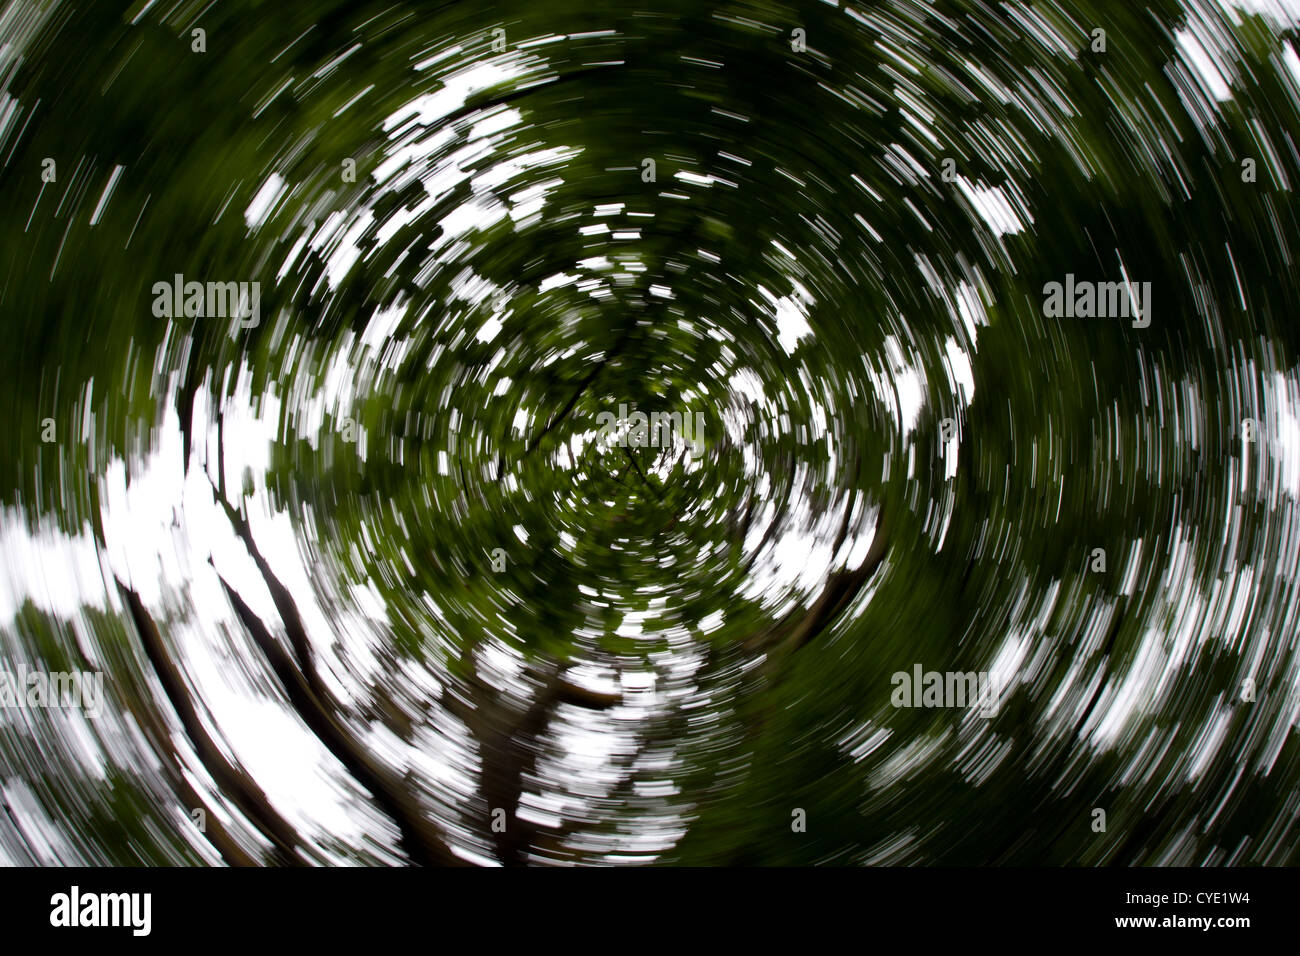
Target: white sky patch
[
  {"x": 792, "y": 316},
  {"x": 971, "y": 310},
  {"x": 1137, "y": 692},
  {"x": 1209, "y": 70},
  {"x": 791, "y": 322},
  {"x": 497, "y": 121},
  {"x": 556, "y": 281},
  {"x": 994, "y": 207},
  {"x": 632, "y": 625},
  {"x": 854, "y": 551},
  {"x": 908, "y": 383},
  {"x": 711, "y": 622},
  {"x": 490, "y": 329},
  {"x": 1004, "y": 672},
  {"x": 747, "y": 383},
  {"x": 457, "y": 87},
  {"x": 55, "y": 571},
  {"x": 260, "y": 208},
  {"x": 1284, "y": 12},
  {"x": 422, "y": 148},
  {"x": 694, "y": 179},
  {"x": 1282, "y": 395},
  {"x": 796, "y": 564},
  {"x": 1209, "y": 740},
  {"x": 960, "y": 373}
]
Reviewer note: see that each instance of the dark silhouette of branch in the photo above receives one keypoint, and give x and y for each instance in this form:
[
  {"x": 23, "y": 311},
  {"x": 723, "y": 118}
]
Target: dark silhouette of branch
[
  {"x": 796, "y": 629},
  {"x": 420, "y": 838},
  {"x": 577, "y": 394},
  {"x": 641, "y": 474},
  {"x": 280, "y": 596},
  {"x": 509, "y": 746},
  {"x": 319, "y": 709},
  {"x": 240, "y": 787}
]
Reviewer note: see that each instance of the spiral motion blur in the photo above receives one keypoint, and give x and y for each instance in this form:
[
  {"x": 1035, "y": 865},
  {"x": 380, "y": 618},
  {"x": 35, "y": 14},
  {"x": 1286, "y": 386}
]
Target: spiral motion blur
[{"x": 597, "y": 433}]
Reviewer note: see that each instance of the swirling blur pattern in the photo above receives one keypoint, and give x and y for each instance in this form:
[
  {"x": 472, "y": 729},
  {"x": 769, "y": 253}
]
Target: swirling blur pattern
[{"x": 367, "y": 577}]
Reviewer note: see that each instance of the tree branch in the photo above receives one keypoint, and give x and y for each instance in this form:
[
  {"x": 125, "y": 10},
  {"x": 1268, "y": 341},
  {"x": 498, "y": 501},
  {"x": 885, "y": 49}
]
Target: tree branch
[{"x": 241, "y": 788}]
